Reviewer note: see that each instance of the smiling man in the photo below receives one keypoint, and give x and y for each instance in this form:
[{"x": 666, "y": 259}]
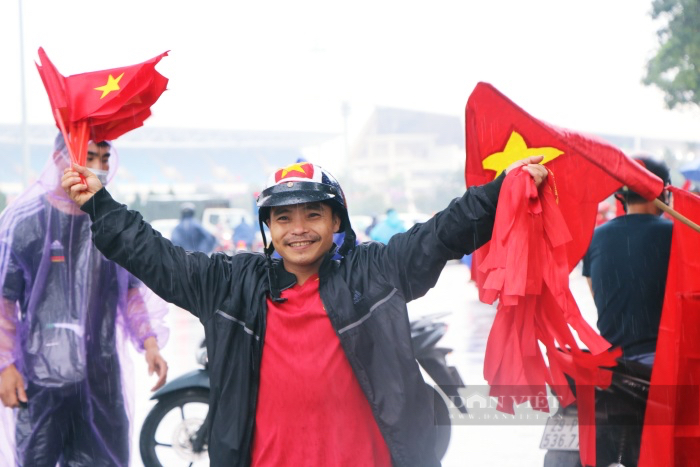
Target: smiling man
[
  {"x": 311, "y": 361},
  {"x": 303, "y": 233}
]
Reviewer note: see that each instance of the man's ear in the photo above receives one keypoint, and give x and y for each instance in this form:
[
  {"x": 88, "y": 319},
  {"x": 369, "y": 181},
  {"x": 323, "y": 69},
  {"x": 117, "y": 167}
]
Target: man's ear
[{"x": 336, "y": 223}]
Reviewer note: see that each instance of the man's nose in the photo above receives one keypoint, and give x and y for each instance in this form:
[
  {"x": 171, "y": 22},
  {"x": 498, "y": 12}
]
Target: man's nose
[{"x": 299, "y": 224}]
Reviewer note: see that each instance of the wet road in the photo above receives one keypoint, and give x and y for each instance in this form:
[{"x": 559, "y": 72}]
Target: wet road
[{"x": 469, "y": 324}]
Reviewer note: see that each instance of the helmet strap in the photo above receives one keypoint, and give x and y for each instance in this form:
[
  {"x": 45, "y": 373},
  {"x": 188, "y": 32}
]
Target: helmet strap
[
  {"x": 268, "y": 249},
  {"x": 271, "y": 271},
  {"x": 349, "y": 240}
]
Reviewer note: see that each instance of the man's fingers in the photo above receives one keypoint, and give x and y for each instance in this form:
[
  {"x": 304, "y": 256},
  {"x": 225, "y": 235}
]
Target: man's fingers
[
  {"x": 12, "y": 387},
  {"x": 9, "y": 399},
  {"x": 162, "y": 370},
  {"x": 21, "y": 393},
  {"x": 537, "y": 172},
  {"x": 71, "y": 182},
  {"x": 80, "y": 169},
  {"x": 78, "y": 188},
  {"x": 6, "y": 399},
  {"x": 158, "y": 365}
]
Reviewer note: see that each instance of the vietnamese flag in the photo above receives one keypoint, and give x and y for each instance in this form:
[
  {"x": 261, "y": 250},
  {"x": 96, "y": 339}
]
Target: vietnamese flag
[
  {"x": 108, "y": 92},
  {"x": 585, "y": 169},
  {"x": 300, "y": 170},
  {"x": 101, "y": 105},
  {"x": 671, "y": 435},
  {"x": 537, "y": 240}
]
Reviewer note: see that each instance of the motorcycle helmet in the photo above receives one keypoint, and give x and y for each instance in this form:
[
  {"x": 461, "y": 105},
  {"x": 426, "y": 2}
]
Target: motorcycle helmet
[{"x": 305, "y": 182}]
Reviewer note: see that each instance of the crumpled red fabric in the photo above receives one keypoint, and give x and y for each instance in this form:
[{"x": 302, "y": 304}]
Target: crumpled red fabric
[{"x": 527, "y": 271}]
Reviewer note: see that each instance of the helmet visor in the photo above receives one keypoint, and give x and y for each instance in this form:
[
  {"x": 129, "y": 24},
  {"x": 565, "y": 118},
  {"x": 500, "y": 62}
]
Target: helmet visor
[{"x": 285, "y": 194}]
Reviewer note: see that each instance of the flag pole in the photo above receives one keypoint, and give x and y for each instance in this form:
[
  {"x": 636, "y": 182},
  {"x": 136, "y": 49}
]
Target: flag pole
[
  {"x": 676, "y": 215},
  {"x": 26, "y": 158}
]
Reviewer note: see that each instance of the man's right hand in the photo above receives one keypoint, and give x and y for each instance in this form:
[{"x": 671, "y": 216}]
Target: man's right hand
[
  {"x": 78, "y": 191},
  {"x": 12, "y": 387}
]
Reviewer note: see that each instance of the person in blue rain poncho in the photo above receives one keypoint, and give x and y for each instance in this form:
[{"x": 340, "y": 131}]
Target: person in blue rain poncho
[
  {"x": 387, "y": 228},
  {"x": 189, "y": 233}
]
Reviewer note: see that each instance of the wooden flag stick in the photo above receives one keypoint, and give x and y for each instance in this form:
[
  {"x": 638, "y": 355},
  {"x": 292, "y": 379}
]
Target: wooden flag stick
[{"x": 677, "y": 215}]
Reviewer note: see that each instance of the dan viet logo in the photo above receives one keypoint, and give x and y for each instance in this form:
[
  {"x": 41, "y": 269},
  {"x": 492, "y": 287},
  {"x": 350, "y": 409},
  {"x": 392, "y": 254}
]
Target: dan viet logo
[{"x": 482, "y": 408}]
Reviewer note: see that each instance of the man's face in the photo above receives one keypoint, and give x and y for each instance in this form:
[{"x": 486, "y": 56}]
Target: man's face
[
  {"x": 97, "y": 157},
  {"x": 302, "y": 234}
]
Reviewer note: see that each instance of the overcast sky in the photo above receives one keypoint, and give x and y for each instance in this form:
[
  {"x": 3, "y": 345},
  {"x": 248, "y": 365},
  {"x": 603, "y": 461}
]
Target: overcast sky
[{"x": 289, "y": 65}]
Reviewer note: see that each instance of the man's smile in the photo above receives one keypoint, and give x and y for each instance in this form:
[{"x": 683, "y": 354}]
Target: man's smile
[{"x": 300, "y": 244}]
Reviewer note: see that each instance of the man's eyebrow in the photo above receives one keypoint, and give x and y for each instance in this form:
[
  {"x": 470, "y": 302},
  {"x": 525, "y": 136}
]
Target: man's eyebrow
[
  {"x": 280, "y": 209},
  {"x": 314, "y": 205}
]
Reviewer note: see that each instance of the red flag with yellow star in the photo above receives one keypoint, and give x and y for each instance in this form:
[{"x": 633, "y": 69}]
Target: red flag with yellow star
[
  {"x": 298, "y": 171},
  {"x": 534, "y": 247},
  {"x": 101, "y": 105},
  {"x": 585, "y": 169},
  {"x": 119, "y": 91}
]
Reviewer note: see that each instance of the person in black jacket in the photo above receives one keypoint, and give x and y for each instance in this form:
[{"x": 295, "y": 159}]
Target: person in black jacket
[
  {"x": 636, "y": 245},
  {"x": 310, "y": 358}
]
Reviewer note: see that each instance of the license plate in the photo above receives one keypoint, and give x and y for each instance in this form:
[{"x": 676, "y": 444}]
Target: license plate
[{"x": 560, "y": 434}]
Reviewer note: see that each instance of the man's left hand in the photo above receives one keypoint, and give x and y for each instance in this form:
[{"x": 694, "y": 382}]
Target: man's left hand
[
  {"x": 156, "y": 363},
  {"x": 532, "y": 165}
]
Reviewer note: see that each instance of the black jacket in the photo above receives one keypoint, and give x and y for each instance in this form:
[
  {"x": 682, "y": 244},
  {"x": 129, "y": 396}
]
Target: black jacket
[{"x": 365, "y": 295}]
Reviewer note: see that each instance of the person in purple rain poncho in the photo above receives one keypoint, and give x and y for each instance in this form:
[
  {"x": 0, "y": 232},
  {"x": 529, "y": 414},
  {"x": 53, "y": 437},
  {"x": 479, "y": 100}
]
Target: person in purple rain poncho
[{"x": 65, "y": 315}]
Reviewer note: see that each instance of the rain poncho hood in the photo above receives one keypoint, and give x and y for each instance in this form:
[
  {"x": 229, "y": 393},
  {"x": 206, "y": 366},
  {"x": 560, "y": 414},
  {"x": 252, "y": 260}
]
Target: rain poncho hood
[{"x": 66, "y": 313}]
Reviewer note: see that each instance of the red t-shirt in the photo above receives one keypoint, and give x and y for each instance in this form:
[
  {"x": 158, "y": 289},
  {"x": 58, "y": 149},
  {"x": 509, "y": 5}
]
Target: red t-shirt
[{"x": 311, "y": 410}]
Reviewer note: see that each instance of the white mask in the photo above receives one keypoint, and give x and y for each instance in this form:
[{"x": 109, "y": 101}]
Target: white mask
[{"x": 101, "y": 175}]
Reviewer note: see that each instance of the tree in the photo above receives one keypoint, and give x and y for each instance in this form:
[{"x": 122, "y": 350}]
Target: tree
[{"x": 675, "y": 68}]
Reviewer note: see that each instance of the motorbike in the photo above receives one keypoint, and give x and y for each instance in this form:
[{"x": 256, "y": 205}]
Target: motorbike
[
  {"x": 619, "y": 414},
  {"x": 175, "y": 431}
]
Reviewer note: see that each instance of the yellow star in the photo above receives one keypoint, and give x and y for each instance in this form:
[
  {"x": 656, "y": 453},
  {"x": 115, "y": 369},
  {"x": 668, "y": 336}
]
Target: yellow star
[
  {"x": 112, "y": 85},
  {"x": 293, "y": 168},
  {"x": 515, "y": 150}
]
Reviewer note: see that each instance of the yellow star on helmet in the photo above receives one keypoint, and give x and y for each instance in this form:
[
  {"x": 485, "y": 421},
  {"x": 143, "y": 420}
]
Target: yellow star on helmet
[
  {"x": 298, "y": 167},
  {"x": 112, "y": 85},
  {"x": 515, "y": 150}
]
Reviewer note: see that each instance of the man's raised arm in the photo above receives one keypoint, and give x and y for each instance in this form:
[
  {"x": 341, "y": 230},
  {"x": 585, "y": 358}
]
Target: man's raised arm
[
  {"x": 465, "y": 225},
  {"x": 192, "y": 281}
]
